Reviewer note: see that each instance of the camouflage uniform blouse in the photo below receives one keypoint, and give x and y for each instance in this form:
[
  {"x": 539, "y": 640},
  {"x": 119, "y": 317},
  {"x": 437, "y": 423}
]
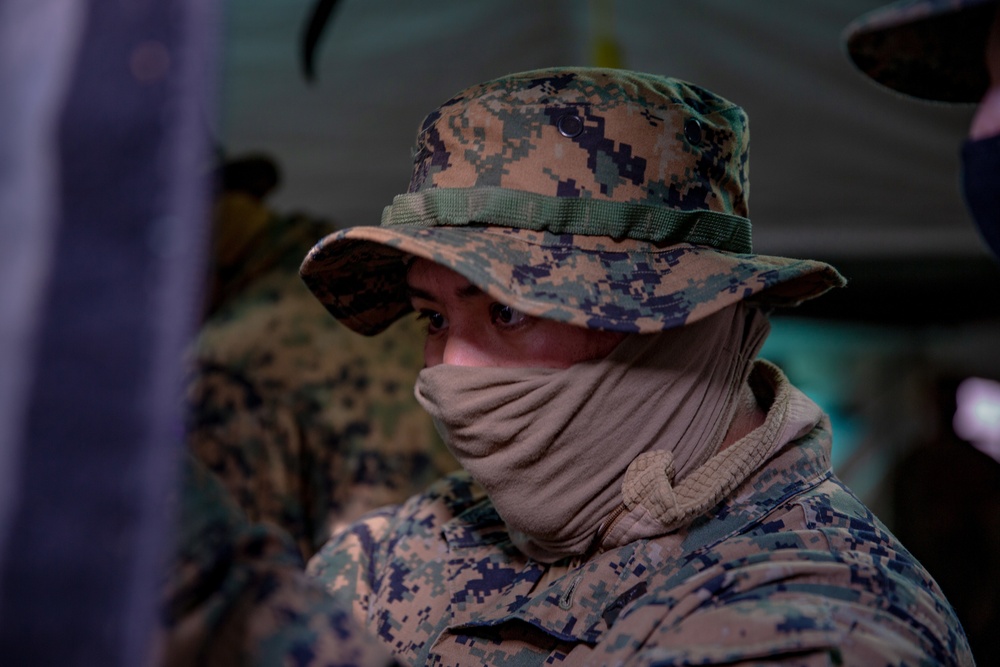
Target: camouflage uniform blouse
[{"x": 791, "y": 568}]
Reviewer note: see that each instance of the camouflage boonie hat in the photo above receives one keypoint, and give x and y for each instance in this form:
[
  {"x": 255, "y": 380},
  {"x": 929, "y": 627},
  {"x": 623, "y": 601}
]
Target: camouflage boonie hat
[
  {"x": 928, "y": 49},
  {"x": 601, "y": 198}
]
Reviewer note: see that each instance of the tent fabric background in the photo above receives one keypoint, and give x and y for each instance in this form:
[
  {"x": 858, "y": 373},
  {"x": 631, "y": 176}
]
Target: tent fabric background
[{"x": 839, "y": 166}]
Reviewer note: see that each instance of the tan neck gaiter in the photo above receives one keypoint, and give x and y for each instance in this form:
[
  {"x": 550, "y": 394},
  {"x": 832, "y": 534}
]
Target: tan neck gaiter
[{"x": 551, "y": 446}]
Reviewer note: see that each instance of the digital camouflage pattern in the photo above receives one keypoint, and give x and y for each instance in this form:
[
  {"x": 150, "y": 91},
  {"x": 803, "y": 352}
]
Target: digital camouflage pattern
[
  {"x": 602, "y": 198},
  {"x": 791, "y": 568},
  {"x": 235, "y": 593},
  {"x": 307, "y": 424},
  {"x": 928, "y": 49}
]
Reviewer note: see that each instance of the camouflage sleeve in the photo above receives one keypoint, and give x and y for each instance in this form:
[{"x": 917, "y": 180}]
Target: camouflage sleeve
[
  {"x": 355, "y": 561},
  {"x": 780, "y": 608},
  {"x": 802, "y": 632},
  {"x": 346, "y": 566},
  {"x": 235, "y": 593}
]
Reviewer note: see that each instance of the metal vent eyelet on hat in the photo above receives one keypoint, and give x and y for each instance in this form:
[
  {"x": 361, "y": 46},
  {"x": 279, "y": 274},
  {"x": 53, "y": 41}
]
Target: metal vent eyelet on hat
[
  {"x": 570, "y": 125},
  {"x": 692, "y": 130}
]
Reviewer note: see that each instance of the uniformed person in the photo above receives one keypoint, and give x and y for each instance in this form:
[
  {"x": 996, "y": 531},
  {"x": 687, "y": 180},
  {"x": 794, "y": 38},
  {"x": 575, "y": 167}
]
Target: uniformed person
[{"x": 639, "y": 487}]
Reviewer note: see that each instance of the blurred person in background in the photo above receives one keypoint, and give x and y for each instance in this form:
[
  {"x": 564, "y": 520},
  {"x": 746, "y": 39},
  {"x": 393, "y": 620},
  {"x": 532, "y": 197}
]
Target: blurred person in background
[
  {"x": 306, "y": 424},
  {"x": 234, "y": 592},
  {"x": 295, "y": 425},
  {"x": 944, "y": 51},
  {"x": 946, "y": 494}
]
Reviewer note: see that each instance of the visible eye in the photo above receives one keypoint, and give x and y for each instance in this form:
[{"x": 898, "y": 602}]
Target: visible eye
[
  {"x": 506, "y": 317},
  {"x": 435, "y": 320}
]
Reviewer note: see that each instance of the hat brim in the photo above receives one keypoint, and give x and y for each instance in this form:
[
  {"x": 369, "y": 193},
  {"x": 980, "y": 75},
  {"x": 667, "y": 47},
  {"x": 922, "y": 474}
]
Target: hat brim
[
  {"x": 359, "y": 274},
  {"x": 930, "y": 50}
]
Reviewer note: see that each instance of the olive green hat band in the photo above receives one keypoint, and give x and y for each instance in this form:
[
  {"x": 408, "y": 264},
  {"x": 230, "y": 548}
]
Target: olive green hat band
[{"x": 528, "y": 210}]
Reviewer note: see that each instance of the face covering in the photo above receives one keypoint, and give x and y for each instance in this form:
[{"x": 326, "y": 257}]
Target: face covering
[
  {"x": 980, "y": 176},
  {"x": 551, "y": 446}
]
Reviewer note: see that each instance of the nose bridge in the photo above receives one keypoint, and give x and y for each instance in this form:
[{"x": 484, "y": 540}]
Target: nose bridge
[{"x": 463, "y": 347}]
